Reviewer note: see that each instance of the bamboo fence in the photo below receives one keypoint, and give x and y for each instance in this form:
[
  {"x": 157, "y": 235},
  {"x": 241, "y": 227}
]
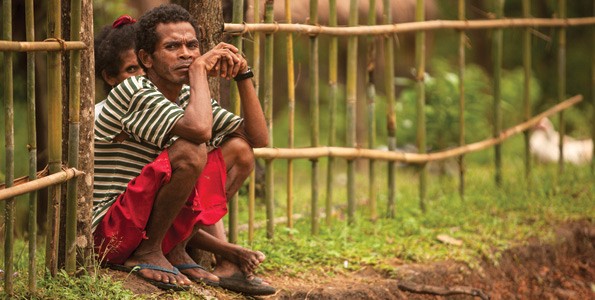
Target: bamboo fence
[
  {"x": 391, "y": 120},
  {"x": 314, "y": 104},
  {"x": 55, "y": 46},
  {"x": 561, "y": 80},
  {"x": 462, "y": 45},
  {"x": 291, "y": 115},
  {"x": 333, "y": 95}
]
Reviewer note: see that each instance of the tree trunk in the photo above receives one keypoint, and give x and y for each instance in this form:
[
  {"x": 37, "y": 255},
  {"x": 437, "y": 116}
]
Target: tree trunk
[
  {"x": 84, "y": 238},
  {"x": 210, "y": 19}
]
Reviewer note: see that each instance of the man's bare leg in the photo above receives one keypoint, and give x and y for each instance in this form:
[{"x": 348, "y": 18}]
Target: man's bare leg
[
  {"x": 231, "y": 258},
  {"x": 187, "y": 161}
]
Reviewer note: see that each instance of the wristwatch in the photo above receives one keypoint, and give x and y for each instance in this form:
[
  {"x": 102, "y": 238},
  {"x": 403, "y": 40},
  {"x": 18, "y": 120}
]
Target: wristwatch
[{"x": 245, "y": 75}]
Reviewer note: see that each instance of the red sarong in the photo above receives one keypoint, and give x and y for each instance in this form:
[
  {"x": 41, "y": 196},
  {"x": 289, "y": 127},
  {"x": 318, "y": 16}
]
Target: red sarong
[{"x": 123, "y": 226}]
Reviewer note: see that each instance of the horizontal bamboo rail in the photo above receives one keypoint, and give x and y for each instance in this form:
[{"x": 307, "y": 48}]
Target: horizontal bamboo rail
[
  {"x": 40, "y": 183},
  {"x": 230, "y": 28},
  {"x": 354, "y": 153},
  {"x": 49, "y": 45}
]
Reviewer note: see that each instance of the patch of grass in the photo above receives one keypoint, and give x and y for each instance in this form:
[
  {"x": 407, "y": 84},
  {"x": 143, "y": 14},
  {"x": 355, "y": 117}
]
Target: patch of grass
[{"x": 488, "y": 221}]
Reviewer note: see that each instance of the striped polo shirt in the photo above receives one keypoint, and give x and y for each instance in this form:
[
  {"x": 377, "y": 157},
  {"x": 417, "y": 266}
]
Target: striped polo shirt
[{"x": 137, "y": 107}]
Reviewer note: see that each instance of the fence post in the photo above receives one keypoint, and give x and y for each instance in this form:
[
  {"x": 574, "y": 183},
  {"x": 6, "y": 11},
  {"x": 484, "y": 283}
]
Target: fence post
[
  {"x": 593, "y": 93},
  {"x": 497, "y": 58},
  {"x": 351, "y": 109},
  {"x": 420, "y": 63},
  {"x": 371, "y": 95},
  {"x": 333, "y": 94},
  {"x": 9, "y": 208},
  {"x": 391, "y": 120},
  {"x": 291, "y": 112},
  {"x": 32, "y": 144},
  {"x": 73, "y": 136},
  {"x": 561, "y": 80},
  {"x": 268, "y": 107},
  {"x": 462, "y": 44},
  {"x": 256, "y": 70},
  {"x": 527, "y": 89},
  {"x": 238, "y": 17},
  {"x": 314, "y": 112}
]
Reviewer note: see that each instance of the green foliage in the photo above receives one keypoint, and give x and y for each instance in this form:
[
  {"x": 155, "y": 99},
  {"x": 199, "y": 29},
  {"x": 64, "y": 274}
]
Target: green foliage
[{"x": 442, "y": 105}]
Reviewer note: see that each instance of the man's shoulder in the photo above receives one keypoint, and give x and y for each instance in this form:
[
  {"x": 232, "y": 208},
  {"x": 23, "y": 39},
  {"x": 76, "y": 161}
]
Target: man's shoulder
[{"x": 134, "y": 84}]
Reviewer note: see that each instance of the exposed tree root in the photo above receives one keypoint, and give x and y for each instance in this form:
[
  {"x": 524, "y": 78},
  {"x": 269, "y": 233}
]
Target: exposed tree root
[{"x": 441, "y": 291}]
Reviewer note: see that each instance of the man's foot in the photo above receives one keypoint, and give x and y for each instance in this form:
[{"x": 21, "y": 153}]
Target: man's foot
[
  {"x": 244, "y": 259},
  {"x": 161, "y": 270},
  {"x": 179, "y": 257}
]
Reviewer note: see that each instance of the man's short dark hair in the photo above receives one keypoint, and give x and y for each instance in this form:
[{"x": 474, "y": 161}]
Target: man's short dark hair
[
  {"x": 146, "y": 36},
  {"x": 109, "y": 43}
]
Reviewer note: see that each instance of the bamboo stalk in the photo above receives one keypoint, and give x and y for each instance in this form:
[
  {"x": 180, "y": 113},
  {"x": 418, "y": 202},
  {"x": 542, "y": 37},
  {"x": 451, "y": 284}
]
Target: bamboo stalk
[
  {"x": 40, "y": 183},
  {"x": 414, "y": 158},
  {"x": 291, "y": 112},
  {"x": 351, "y": 97},
  {"x": 256, "y": 70},
  {"x": 314, "y": 114},
  {"x": 462, "y": 44},
  {"x": 55, "y": 132},
  {"x": 73, "y": 136},
  {"x": 333, "y": 94},
  {"x": 9, "y": 208},
  {"x": 391, "y": 119},
  {"x": 49, "y": 45},
  {"x": 561, "y": 81},
  {"x": 593, "y": 93},
  {"x": 497, "y": 59},
  {"x": 237, "y": 17},
  {"x": 268, "y": 104},
  {"x": 371, "y": 95},
  {"x": 527, "y": 89},
  {"x": 420, "y": 62},
  {"x": 230, "y": 28},
  {"x": 32, "y": 145}
]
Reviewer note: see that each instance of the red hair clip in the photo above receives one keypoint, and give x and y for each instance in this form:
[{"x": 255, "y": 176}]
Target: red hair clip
[{"x": 123, "y": 20}]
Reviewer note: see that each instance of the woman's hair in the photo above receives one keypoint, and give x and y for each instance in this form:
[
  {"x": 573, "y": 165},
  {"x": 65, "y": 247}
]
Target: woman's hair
[{"x": 111, "y": 41}]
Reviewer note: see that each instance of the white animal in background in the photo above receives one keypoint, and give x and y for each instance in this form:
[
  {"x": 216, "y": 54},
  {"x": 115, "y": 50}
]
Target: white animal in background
[{"x": 545, "y": 145}]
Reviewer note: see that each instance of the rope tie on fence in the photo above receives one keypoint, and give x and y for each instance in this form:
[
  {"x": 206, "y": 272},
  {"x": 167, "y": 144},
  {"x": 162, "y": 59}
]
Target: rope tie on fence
[{"x": 62, "y": 43}]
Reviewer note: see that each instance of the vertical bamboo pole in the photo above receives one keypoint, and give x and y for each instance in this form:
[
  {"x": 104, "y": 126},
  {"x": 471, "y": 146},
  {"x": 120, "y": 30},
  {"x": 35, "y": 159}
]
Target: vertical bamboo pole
[
  {"x": 291, "y": 117},
  {"x": 314, "y": 112},
  {"x": 32, "y": 144},
  {"x": 462, "y": 43},
  {"x": 333, "y": 91},
  {"x": 593, "y": 92},
  {"x": 9, "y": 208},
  {"x": 350, "y": 109},
  {"x": 371, "y": 95},
  {"x": 497, "y": 58},
  {"x": 391, "y": 119},
  {"x": 73, "y": 136},
  {"x": 268, "y": 104},
  {"x": 420, "y": 62},
  {"x": 236, "y": 40},
  {"x": 561, "y": 80},
  {"x": 527, "y": 88},
  {"x": 55, "y": 131},
  {"x": 256, "y": 70}
]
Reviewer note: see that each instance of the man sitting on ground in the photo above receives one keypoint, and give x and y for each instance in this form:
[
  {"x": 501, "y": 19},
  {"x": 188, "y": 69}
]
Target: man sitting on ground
[{"x": 145, "y": 219}]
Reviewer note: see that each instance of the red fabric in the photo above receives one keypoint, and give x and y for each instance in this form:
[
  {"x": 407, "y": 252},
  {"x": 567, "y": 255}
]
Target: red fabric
[
  {"x": 123, "y": 226},
  {"x": 123, "y": 20}
]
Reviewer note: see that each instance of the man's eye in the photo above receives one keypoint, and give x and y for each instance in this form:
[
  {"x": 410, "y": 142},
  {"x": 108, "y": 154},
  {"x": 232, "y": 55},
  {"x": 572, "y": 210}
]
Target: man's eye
[
  {"x": 192, "y": 45},
  {"x": 170, "y": 47}
]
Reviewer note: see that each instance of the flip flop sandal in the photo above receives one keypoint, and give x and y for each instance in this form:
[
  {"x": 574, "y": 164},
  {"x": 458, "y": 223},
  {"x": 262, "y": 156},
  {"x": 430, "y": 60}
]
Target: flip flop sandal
[
  {"x": 208, "y": 282},
  {"x": 251, "y": 287},
  {"x": 159, "y": 284}
]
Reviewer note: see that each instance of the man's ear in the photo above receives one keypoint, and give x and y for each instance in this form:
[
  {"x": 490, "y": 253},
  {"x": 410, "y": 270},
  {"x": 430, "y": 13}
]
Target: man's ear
[
  {"x": 111, "y": 81},
  {"x": 145, "y": 58}
]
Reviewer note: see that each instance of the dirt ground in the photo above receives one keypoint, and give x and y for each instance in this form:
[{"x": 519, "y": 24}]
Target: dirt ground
[{"x": 565, "y": 270}]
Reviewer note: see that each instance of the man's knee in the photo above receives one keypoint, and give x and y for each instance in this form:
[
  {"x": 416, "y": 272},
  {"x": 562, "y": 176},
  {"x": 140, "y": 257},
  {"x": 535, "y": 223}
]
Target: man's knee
[
  {"x": 238, "y": 153},
  {"x": 187, "y": 158}
]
